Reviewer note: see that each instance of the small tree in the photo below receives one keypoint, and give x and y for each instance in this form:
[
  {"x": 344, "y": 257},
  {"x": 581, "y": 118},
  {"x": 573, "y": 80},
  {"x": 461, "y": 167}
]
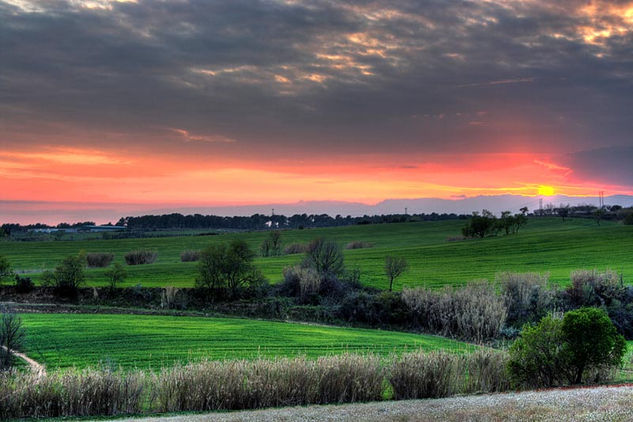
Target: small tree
[
  {"x": 227, "y": 266},
  {"x": 5, "y": 268},
  {"x": 115, "y": 275},
  {"x": 591, "y": 341},
  {"x": 271, "y": 246},
  {"x": 394, "y": 268},
  {"x": 563, "y": 212},
  {"x": 326, "y": 257},
  {"x": 12, "y": 337},
  {"x": 68, "y": 275}
]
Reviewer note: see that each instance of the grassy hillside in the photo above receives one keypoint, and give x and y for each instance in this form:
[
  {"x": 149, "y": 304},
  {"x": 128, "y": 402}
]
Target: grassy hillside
[
  {"x": 63, "y": 340},
  {"x": 545, "y": 244}
]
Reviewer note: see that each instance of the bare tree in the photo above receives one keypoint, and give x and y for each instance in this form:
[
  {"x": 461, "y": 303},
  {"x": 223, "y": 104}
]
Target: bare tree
[
  {"x": 394, "y": 267},
  {"x": 12, "y": 337},
  {"x": 325, "y": 257}
]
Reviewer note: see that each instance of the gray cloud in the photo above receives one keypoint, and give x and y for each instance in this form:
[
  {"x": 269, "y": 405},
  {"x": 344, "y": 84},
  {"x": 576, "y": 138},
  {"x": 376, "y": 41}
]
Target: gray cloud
[{"x": 293, "y": 78}]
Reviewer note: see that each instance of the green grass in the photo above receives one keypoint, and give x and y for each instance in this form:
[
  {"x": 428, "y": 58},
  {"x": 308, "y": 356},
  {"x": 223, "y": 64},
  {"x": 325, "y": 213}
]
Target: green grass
[
  {"x": 64, "y": 340},
  {"x": 544, "y": 245}
]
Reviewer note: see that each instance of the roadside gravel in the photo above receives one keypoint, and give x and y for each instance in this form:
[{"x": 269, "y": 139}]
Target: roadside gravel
[{"x": 581, "y": 404}]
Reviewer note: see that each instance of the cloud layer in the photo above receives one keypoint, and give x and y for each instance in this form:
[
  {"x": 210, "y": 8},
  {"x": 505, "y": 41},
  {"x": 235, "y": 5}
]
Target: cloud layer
[{"x": 278, "y": 85}]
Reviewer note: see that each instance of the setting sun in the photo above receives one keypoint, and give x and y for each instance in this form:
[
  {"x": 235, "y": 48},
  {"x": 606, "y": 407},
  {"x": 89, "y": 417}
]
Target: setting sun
[{"x": 545, "y": 190}]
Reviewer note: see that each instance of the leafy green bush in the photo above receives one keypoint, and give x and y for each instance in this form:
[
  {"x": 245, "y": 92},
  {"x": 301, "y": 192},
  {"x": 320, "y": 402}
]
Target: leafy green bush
[
  {"x": 68, "y": 276},
  {"x": 584, "y": 344},
  {"x": 23, "y": 284}
]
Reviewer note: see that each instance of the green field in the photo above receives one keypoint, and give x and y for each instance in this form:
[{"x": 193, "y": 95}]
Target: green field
[
  {"x": 64, "y": 340},
  {"x": 544, "y": 245}
]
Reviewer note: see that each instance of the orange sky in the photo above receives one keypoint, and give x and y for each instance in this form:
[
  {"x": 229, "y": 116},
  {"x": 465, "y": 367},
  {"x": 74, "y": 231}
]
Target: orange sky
[{"x": 91, "y": 175}]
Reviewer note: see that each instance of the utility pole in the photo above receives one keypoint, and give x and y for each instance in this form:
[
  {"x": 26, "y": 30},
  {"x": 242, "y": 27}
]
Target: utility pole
[
  {"x": 273, "y": 213},
  {"x": 601, "y": 199},
  {"x": 540, "y": 206},
  {"x": 405, "y": 211}
]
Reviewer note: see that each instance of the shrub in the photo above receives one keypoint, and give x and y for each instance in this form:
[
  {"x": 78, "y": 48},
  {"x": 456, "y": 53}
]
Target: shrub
[
  {"x": 295, "y": 248},
  {"x": 140, "y": 257},
  {"x": 358, "y": 244},
  {"x": 381, "y": 309},
  {"x": 189, "y": 256},
  {"x": 99, "y": 260},
  {"x": 593, "y": 288},
  {"x": 23, "y": 284},
  {"x": 473, "y": 312},
  {"x": 325, "y": 257},
  {"x": 527, "y": 296},
  {"x": 5, "y": 268},
  {"x": 229, "y": 267},
  {"x": 536, "y": 357},
  {"x": 271, "y": 246},
  {"x": 12, "y": 337},
  {"x": 67, "y": 277},
  {"x": 115, "y": 275},
  {"x": 584, "y": 344}
]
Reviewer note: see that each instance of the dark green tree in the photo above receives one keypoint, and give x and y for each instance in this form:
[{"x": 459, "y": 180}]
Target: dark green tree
[
  {"x": 229, "y": 267},
  {"x": 591, "y": 340}
]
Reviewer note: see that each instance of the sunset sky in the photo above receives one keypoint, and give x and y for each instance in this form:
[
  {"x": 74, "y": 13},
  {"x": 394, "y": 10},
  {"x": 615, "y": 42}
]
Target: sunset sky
[{"x": 201, "y": 102}]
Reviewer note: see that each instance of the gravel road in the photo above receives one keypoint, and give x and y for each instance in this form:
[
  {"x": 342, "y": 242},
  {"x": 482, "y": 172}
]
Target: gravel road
[{"x": 581, "y": 404}]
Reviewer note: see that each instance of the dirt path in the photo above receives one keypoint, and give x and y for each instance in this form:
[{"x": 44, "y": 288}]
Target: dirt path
[
  {"x": 559, "y": 405},
  {"x": 36, "y": 367}
]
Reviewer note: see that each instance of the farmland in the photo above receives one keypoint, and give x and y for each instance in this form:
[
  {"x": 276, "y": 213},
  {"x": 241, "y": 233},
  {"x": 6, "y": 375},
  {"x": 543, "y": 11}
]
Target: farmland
[
  {"x": 544, "y": 245},
  {"x": 65, "y": 340}
]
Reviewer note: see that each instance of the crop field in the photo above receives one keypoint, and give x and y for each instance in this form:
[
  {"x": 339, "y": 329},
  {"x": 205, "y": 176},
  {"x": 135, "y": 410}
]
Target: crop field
[
  {"x": 544, "y": 245},
  {"x": 65, "y": 340}
]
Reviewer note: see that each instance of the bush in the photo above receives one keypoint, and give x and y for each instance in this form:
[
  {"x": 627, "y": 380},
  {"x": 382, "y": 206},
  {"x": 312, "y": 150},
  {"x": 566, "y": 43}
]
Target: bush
[
  {"x": 527, "y": 296},
  {"x": 99, "y": 260},
  {"x": 115, "y": 275},
  {"x": 67, "y": 277},
  {"x": 593, "y": 288},
  {"x": 271, "y": 246},
  {"x": 358, "y": 244},
  {"x": 23, "y": 285},
  {"x": 583, "y": 345},
  {"x": 474, "y": 312},
  {"x": 189, "y": 256},
  {"x": 295, "y": 248},
  {"x": 231, "y": 267},
  {"x": 536, "y": 357},
  {"x": 591, "y": 341},
  {"x": 5, "y": 268},
  {"x": 12, "y": 336},
  {"x": 381, "y": 309},
  {"x": 140, "y": 257}
]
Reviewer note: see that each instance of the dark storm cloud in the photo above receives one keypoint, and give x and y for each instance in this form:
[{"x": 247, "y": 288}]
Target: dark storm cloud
[
  {"x": 295, "y": 77},
  {"x": 612, "y": 165}
]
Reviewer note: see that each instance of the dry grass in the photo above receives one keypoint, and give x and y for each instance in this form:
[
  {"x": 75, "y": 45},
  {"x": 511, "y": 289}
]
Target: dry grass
[
  {"x": 99, "y": 259},
  {"x": 474, "y": 312},
  {"x": 358, "y": 244},
  {"x": 140, "y": 257},
  {"x": 250, "y": 384},
  {"x": 189, "y": 256},
  {"x": 296, "y": 248}
]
